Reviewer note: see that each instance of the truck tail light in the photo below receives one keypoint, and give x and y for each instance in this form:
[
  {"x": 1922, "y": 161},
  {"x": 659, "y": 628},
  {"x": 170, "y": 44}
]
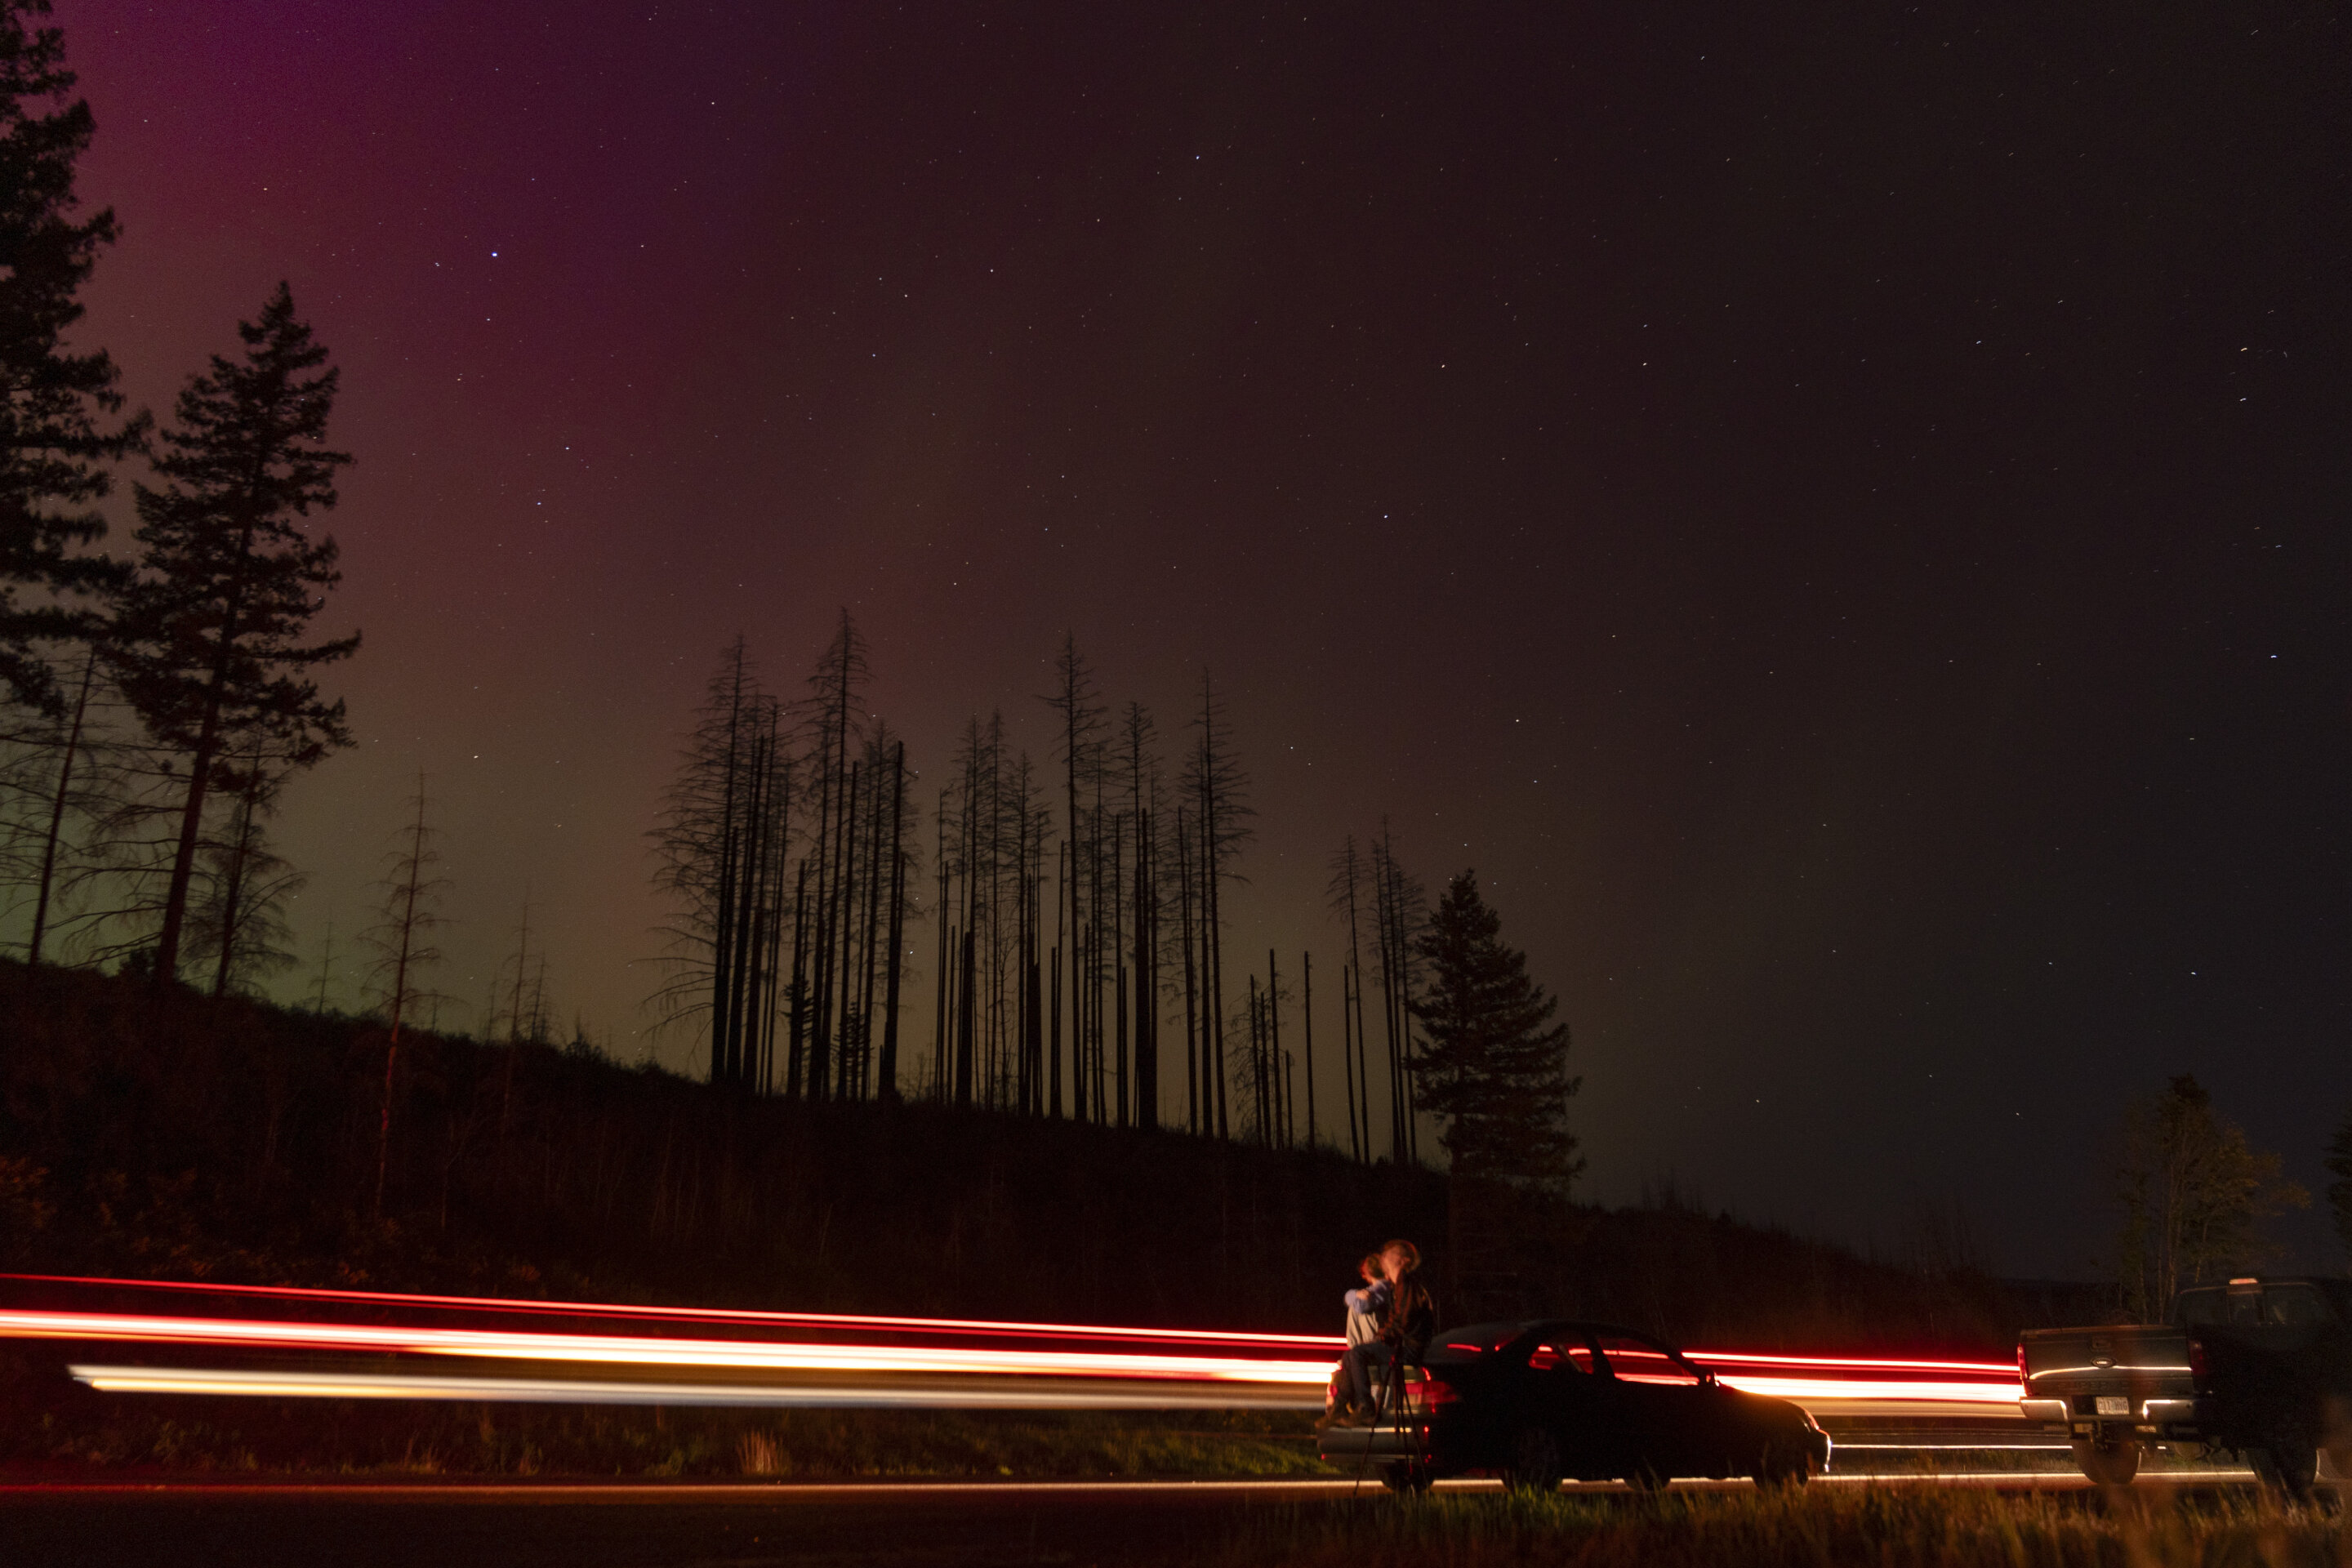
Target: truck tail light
[
  {"x": 2024, "y": 1378},
  {"x": 2197, "y": 1359}
]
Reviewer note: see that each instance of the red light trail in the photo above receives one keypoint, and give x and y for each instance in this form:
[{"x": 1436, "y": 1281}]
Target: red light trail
[{"x": 828, "y": 1358}]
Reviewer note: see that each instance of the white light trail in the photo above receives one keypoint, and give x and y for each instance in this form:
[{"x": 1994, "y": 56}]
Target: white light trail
[
  {"x": 972, "y": 1395},
  {"x": 634, "y": 1351},
  {"x": 1120, "y": 1368}
]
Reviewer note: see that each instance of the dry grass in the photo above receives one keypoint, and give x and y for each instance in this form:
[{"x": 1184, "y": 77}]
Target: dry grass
[
  {"x": 755, "y": 1453},
  {"x": 94, "y": 1433},
  {"x": 1885, "y": 1527}
]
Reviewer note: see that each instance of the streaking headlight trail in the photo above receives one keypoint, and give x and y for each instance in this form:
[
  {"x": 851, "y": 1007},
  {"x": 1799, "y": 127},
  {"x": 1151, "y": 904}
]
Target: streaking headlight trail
[{"x": 292, "y": 1342}]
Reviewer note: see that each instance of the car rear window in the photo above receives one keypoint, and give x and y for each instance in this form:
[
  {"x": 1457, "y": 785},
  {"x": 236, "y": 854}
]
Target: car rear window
[
  {"x": 1637, "y": 1361},
  {"x": 1561, "y": 1355},
  {"x": 1474, "y": 1339}
]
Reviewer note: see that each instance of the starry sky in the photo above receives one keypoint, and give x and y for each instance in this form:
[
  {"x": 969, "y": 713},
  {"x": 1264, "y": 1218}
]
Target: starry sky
[{"x": 1837, "y": 512}]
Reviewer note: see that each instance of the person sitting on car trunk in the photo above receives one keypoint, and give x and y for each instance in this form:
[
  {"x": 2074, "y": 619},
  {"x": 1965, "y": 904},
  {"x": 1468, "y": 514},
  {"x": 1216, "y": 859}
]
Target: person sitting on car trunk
[
  {"x": 1365, "y": 1301},
  {"x": 1364, "y": 1328},
  {"x": 1407, "y": 1319}
]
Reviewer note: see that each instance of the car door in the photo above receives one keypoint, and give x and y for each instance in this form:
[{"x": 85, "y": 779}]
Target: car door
[
  {"x": 1566, "y": 1397},
  {"x": 1662, "y": 1402}
]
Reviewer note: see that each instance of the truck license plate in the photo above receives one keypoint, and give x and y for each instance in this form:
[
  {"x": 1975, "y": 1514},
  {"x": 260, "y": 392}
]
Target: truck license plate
[{"x": 2113, "y": 1404}]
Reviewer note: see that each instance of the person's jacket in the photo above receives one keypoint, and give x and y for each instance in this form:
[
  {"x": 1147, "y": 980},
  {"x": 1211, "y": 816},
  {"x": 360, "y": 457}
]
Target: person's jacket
[{"x": 1408, "y": 1321}]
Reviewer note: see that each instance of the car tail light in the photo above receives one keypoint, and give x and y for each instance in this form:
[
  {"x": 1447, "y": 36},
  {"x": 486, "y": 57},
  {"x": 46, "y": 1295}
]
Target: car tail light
[{"x": 1436, "y": 1390}]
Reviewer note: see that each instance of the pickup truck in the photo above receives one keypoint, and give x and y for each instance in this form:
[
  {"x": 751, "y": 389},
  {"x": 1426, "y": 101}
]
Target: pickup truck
[{"x": 2260, "y": 1366}]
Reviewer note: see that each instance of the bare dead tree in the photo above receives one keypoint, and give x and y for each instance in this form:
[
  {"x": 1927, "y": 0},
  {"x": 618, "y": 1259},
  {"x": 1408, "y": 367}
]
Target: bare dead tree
[
  {"x": 60, "y": 800},
  {"x": 413, "y": 888},
  {"x": 1075, "y": 702},
  {"x": 832, "y": 720},
  {"x": 1216, "y": 786},
  {"x": 720, "y": 851},
  {"x": 1274, "y": 1045},
  {"x": 1306, "y": 1048},
  {"x": 941, "y": 1013},
  {"x": 901, "y": 849},
  {"x": 84, "y": 802},
  {"x": 1257, "y": 1070},
  {"x": 1345, "y": 899},
  {"x": 1192, "y": 1100},
  {"x": 1146, "y": 813},
  {"x": 236, "y": 918},
  {"x": 1031, "y": 826},
  {"x": 1399, "y": 911},
  {"x": 326, "y": 966}
]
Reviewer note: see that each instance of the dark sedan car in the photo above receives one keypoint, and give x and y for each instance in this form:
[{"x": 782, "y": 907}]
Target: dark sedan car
[{"x": 1535, "y": 1402}]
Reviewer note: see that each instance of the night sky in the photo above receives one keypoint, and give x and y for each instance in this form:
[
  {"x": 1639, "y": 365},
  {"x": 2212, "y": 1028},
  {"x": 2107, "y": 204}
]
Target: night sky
[{"x": 1837, "y": 512}]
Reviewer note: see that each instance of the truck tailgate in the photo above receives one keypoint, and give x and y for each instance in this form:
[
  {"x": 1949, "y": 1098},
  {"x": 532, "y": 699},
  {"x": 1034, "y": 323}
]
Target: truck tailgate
[{"x": 2112, "y": 1373}]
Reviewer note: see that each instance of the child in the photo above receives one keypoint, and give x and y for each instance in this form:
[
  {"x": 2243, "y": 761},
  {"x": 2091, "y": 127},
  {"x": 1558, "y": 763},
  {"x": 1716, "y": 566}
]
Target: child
[{"x": 1364, "y": 1305}]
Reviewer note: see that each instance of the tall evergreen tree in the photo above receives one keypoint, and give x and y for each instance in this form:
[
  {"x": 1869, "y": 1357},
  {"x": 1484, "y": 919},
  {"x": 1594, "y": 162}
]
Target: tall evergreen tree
[
  {"x": 1494, "y": 1069},
  {"x": 54, "y": 457},
  {"x": 208, "y": 643}
]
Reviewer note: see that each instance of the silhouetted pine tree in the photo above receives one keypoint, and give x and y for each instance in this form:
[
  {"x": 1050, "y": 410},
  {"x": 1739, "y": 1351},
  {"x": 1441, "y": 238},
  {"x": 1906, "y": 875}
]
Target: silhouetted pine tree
[
  {"x": 54, "y": 458},
  {"x": 208, "y": 642},
  {"x": 1494, "y": 1069}
]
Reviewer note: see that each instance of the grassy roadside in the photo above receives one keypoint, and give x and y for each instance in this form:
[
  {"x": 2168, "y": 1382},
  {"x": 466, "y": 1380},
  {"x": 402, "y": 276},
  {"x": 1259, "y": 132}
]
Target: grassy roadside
[
  {"x": 1885, "y": 1526},
  {"x": 132, "y": 1436}
]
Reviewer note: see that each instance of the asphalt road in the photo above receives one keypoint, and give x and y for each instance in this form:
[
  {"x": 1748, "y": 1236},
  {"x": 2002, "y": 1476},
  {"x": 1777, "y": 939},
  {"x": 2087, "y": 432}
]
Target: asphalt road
[{"x": 1009, "y": 1525}]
